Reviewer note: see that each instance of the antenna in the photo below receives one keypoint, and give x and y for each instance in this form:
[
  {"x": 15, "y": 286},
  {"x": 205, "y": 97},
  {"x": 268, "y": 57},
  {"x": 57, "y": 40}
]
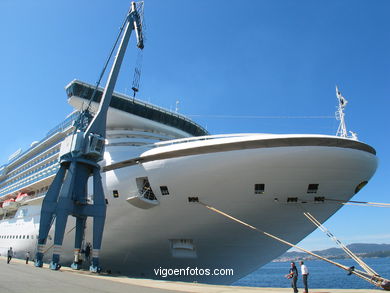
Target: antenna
[
  {"x": 177, "y": 106},
  {"x": 340, "y": 115}
]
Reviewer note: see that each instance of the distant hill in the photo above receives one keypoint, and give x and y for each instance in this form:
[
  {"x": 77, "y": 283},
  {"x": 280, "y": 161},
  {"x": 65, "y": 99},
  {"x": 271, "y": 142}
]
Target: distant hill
[{"x": 360, "y": 249}]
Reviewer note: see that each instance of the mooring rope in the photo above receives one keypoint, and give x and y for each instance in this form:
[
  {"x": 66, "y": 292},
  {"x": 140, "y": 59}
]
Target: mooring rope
[
  {"x": 373, "y": 279},
  {"x": 318, "y": 224},
  {"x": 360, "y": 203}
]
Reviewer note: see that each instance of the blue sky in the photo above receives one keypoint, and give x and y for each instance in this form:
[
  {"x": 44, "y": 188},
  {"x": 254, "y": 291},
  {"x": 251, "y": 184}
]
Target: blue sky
[{"x": 237, "y": 58}]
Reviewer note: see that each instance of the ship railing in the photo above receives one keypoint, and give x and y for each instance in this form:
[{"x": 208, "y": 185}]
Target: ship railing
[
  {"x": 41, "y": 176},
  {"x": 64, "y": 124},
  {"x": 59, "y": 128},
  {"x": 47, "y": 166},
  {"x": 68, "y": 122},
  {"x": 49, "y": 156},
  {"x": 83, "y": 90}
]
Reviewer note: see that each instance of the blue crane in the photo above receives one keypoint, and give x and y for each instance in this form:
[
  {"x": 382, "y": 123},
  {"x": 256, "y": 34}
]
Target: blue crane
[{"x": 79, "y": 156}]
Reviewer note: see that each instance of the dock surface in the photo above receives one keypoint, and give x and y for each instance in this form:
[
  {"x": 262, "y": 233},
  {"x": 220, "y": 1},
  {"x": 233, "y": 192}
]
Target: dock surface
[{"x": 19, "y": 277}]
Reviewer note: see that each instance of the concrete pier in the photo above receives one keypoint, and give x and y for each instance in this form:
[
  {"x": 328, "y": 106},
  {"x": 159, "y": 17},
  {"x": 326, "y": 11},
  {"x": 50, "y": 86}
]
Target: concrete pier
[{"x": 19, "y": 277}]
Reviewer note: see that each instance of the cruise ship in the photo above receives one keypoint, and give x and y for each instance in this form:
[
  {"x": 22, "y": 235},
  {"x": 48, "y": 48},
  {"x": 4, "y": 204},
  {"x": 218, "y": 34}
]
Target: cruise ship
[{"x": 155, "y": 161}]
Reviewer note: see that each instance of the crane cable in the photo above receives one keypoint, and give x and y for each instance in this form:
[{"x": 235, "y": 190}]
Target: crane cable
[
  {"x": 367, "y": 268},
  {"x": 373, "y": 279}
]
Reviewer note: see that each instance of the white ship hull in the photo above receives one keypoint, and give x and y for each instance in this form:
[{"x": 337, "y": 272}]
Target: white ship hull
[{"x": 137, "y": 241}]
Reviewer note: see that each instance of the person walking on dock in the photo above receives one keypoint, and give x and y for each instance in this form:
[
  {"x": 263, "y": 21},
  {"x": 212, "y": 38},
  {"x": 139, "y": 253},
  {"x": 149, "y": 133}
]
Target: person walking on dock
[
  {"x": 305, "y": 274},
  {"x": 293, "y": 276},
  {"x": 10, "y": 254},
  {"x": 27, "y": 257}
]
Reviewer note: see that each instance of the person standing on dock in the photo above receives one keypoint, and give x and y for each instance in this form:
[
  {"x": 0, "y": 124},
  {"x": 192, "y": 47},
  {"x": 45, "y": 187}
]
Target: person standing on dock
[
  {"x": 293, "y": 276},
  {"x": 27, "y": 257},
  {"x": 10, "y": 254},
  {"x": 305, "y": 274},
  {"x": 88, "y": 252}
]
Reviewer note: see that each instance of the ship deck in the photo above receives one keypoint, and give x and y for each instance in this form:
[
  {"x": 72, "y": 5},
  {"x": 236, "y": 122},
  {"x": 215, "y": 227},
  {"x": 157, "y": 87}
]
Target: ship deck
[{"x": 19, "y": 277}]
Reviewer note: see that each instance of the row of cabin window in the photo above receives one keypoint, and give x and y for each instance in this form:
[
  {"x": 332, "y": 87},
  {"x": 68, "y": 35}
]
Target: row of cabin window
[
  {"x": 36, "y": 161},
  {"x": 52, "y": 162},
  {"x": 260, "y": 188},
  {"x": 16, "y": 236}
]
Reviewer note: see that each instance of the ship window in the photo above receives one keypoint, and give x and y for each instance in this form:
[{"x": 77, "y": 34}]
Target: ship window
[
  {"x": 32, "y": 236},
  {"x": 259, "y": 188},
  {"x": 28, "y": 236},
  {"x": 292, "y": 199},
  {"x": 24, "y": 236},
  {"x": 164, "y": 190},
  {"x": 115, "y": 193},
  {"x": 312, "y": 188}
]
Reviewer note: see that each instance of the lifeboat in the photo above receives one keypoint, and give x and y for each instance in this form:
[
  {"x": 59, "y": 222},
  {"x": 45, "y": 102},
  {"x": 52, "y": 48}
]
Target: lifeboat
[
  {"x": 21, "y": 197},
  {"x": 9, "y": 204}
]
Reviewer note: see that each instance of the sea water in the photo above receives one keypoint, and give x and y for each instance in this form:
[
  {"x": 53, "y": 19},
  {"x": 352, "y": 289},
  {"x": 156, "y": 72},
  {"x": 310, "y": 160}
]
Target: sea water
[{"x": 321, "y": 275}]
